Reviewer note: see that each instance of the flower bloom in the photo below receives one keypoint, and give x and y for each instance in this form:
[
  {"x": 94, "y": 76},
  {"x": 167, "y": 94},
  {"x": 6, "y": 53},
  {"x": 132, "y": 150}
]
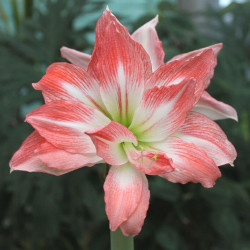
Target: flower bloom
[{"x": 125, "y": 107}]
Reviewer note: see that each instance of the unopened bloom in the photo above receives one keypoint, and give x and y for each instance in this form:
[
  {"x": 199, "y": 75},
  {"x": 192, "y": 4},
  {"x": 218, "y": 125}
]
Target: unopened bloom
[{"x": 127, "y": 108}]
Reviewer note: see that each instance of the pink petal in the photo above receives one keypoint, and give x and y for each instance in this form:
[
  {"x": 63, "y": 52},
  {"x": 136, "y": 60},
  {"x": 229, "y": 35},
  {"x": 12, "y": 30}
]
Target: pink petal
[
  {"x": 63, "y": 123},
  {"x": 124, "y": 189},
  {"x": 123, "y": 66},
  {"x": 209, "y": 137},
  {"x": 200, "y": 67},
  {"x": 108, "y": 142},
  {"x": 186, "y": 56},
  {"x": 37, "y": 155},
  {"x": 191, "y": 163},
  {"x": 65, "y": 81},
  {"x": 133, "y": 225},
  {"x": 147, "y": 36},
  {"x": 162, "y": 111},
  {"x": 148, "y": 162},
  {"x": 76, "y": 57},
  {"x": 214, "y": 109}
]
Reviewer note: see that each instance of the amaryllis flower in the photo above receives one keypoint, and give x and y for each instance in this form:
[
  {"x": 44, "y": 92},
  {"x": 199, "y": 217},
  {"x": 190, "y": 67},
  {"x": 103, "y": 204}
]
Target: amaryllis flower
[{"x": 125, "y": 107}]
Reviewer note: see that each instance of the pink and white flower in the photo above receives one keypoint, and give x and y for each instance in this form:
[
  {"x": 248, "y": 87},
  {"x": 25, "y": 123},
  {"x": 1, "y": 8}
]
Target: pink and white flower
[{"x": 125, "y": 107}]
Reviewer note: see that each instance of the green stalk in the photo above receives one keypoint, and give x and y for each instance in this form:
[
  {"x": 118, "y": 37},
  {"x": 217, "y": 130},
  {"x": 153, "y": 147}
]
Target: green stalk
[{"x": 120, "y": 242}]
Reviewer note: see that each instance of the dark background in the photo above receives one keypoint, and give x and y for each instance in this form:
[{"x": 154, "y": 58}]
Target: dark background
[{"x": 39, "y": 211}]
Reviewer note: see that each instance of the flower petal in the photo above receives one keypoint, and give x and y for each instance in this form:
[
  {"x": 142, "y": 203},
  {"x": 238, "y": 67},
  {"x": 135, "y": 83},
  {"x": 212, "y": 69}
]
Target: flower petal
[
  {"x": 108, "y": 142},
  {"x": 123, "y": 66},
  {"x": 162, "y": 111},
  {"x": 214, "y": 109},
  {"x": 76, "y": 57},
  {"x": 186, "y": 56},
  {"x": 209, "y": 137},
  {"x": 123, "y": 187},
  {"x": 63, "y": 123},
  {"x": 190, "y": 163},
  {"x": 37, "y": 155},
  {"x": 65, "y": 81},
  {"x": 133, "y": 225},
  {"x": 200, "y": 67},
  {"x": 147, "y": 36},
  {"x": 148, "y": 162}
]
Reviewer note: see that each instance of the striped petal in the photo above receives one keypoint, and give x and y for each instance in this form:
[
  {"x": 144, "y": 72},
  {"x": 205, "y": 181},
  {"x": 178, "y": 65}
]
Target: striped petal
[
  {"x": 109, "y": 140},
  {"x": 37, "y": 155},
  {"x": 125, "y": 189},
  {"x": 76, "y": 57},
  {"x": 133, "y": 225},
  {"x": 209, "y": 137},
  {"x": 200, "y": 67},
  {"x": 214, "y": 109},
  {"x": 186, "y": 56},
  {"x": 191, "y": 163},
  {"x": 162, "y": 111},
  {"x": 63, "y": 123},
  {"x": 147, "y": 36},
  {"x": 123, "y": 66},
  {"x": 148, "y": 162},
  {"x": 65, "y": 81}
]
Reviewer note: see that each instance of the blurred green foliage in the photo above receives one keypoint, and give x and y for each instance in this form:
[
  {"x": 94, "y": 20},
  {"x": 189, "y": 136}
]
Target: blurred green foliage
[{"x": 39, "y": 211}]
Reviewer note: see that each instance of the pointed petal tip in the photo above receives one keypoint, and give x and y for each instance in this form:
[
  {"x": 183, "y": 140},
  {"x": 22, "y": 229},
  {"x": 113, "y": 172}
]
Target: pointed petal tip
[
  {"x": 155, "y": 20},
  {"x": 107, "y": 8}
]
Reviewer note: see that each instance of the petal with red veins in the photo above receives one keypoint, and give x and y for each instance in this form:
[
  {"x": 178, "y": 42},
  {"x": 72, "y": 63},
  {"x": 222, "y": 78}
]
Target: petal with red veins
[
  {"x": 102, "y": 31},
  {"x": 191, "y": 163},
  {"x": 76, "y": 57},
  {"x": 65, "y": 81},
  {"x": 124, "y": 187},
  {"x": 214, "y": 109},
  {"x": 208, "y": 136},
  {"x": 147, "y": 36},
  {"x": 133, "y": 225},
  {"x": 162, "y": 111},
  {"x": 148, "y": 162},
  {"x": 123, "y": 66},
  {"x": 63, "y": 123},
  {"x": 186, "y": 56},
  {"x": 108, "y": 142},
  {"x": 37, "y": 155},
  {"x": 200, "y": 67}
]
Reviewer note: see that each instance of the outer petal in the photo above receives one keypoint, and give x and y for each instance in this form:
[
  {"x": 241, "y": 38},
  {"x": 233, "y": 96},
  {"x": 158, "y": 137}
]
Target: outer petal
[
  {"x": 123, "y": 66},
  {"x": 214, "y": 109},
  {"x": 124, "y": 189},
  {"x": 190, "y": 163},
  {"x": 148, "y": 162},
  {"x": 63, "y": 123},
  {"x": 76, "y": 57},
  {"x": 65, "y": 81},
  {"x": 200, "y": 67},
  {"x": 209, "y": 137},
  {"x": 37, "y": 155},
  {"x": 133, "y": 225},
  {"x": 147, "y": 36},
  {"x": 186, "y": 56},
  {"x": 108, "y": 142},
  {"x": 162, "y": 111}
]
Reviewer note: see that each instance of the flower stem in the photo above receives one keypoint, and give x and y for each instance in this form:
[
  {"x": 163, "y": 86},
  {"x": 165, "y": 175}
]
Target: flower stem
[{"x": 121, "y": 242}]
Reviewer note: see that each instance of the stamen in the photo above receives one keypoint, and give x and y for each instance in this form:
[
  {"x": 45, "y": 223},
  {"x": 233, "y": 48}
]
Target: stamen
[{"x": 155, "y": 156}]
